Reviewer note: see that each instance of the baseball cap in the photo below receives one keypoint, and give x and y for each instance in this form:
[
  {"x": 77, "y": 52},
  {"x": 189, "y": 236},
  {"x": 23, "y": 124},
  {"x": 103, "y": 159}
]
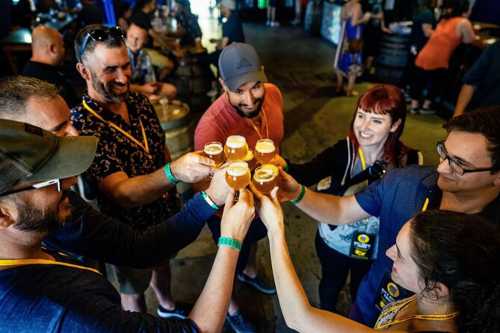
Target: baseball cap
[
  {"x": 239, "y": 64},
  {"x": 31, "y": 154}
]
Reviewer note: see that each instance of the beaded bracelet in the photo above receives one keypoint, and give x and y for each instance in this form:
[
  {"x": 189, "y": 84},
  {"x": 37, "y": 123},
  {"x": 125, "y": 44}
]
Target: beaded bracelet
[
  {"x": 170, "y": 176},
  {"x": 209, "y": 201},
  {"x": 300, "y": 196},
  {"x": 230, "y": 242}
]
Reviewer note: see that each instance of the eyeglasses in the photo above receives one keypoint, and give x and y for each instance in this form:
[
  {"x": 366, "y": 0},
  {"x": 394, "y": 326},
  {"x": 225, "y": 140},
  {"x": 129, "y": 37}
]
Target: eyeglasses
[
  {"x": 37, "y": 186},
  {"x": 454, "y": 163},
  {"x": 99, "y": 35}
]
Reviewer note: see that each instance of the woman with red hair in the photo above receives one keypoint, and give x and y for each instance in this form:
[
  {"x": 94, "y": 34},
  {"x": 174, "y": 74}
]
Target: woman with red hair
[{"x": 372, "y": 146}]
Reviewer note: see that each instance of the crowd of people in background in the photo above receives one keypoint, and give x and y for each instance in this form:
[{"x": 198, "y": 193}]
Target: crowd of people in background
[{"x": 420, "y": 243}]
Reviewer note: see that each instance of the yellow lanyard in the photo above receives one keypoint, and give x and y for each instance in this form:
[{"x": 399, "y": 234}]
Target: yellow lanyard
[
  {"x": 26, "y": 262},
  {"x": 362, "y": 158},
  {"x": 264, "y": 122},
  {"x": 398, "y": 306},
  {"x": 129, "y": 136},
  {"x": 426, "y": 204}
]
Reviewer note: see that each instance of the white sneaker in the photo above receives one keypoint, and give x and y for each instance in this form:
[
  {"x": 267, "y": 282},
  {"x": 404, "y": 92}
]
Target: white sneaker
[{"x": 275, "y": 24}]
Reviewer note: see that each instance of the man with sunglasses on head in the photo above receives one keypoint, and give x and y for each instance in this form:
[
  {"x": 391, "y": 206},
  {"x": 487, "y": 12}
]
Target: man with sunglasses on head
[
  {"x": 467, "y": 180},
  {"x": 89, "y": 233},
  {"x": 43, "y": 292},
  {"x": 131, "y": 169}
]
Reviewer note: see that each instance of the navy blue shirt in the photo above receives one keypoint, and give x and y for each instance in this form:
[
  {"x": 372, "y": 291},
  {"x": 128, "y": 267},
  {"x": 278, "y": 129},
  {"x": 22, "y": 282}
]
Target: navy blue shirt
[
  {"x": 395, "y": 199},
  {"x": 233, "y": 29}
]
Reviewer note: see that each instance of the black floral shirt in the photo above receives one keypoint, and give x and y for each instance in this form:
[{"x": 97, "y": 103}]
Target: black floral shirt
[{"x": 116, "y": 152}]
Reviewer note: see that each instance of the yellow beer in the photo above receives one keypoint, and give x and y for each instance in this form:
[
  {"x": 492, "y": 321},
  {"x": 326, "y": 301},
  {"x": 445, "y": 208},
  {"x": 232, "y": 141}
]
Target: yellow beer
[
  {"x": 236, "y": 148},
  {"x": 264, "y": 150},
  {"x": 238, "y": 175},
  {"x": 215, "y": 151},
  {"x": 265, "y": 178}
]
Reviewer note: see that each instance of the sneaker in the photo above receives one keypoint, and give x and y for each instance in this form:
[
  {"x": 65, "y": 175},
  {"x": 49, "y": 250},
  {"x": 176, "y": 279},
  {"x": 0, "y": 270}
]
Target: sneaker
[
  {"x": 256, "y": 283},
  {"x": 295, "y": 22},
  {"x": 239, "y": 324},
  {"x": 275, "y": 24},
  {"x": 415, "y": 111},
  {"x": 178, "y": 312},
  {"x": 268, "y": 23}
]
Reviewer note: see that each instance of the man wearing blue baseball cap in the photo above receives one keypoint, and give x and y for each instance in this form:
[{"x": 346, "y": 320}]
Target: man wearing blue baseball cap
[{"x": 253, "y": 108}]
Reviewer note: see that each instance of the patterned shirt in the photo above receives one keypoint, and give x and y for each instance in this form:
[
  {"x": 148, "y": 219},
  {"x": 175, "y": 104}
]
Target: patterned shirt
[
  {"x": 117, "y": 153},
  {"x": 142, "y": 67}
]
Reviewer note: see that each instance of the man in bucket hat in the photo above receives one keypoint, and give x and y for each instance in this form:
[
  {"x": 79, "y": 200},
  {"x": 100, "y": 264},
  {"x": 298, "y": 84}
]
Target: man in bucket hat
[{"x": 42, "y": 292}]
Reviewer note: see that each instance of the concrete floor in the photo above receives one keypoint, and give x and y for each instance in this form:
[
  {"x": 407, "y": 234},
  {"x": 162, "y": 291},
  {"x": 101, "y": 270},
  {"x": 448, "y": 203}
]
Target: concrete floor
[{"x": 301, "y": 66}]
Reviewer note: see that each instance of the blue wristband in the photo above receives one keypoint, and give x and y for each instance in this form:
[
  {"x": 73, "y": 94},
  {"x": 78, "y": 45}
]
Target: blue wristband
[
  {"x": 209, "y": 201},
  {"x": 170, "y": 176}
]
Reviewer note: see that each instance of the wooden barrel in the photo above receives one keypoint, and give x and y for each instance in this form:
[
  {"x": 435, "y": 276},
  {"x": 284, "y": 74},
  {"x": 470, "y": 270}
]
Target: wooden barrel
[
  {"x": 393, "y": 58},
  {"x": 176, "y": 122}
]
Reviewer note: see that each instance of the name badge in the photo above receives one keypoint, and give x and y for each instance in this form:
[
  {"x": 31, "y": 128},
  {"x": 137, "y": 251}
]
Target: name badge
[
  {"x": 390, "y": 292},
  {"x": 362, "y": 245}
]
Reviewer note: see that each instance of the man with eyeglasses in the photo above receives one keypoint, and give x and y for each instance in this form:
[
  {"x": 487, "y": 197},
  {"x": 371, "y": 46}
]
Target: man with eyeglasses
[
  {"x": 43, "y": 292},
  {"x": 131, "y": 168},
  {"x": 467, "y": 180}
]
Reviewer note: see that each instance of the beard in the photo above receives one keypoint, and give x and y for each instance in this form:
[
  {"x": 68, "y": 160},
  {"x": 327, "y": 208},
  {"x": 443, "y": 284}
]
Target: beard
[
  {"x": 106, "y": 90},
  {"x": 39, "y": 220},
  {"x": 246, "y": 114}
]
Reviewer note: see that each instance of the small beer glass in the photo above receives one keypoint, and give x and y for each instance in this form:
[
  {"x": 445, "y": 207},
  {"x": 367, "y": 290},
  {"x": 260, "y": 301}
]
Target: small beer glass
[
  {"x": 215, "y": 151},
  {"x": 236, "y": 148},
  {"x": 238, "y": 175},
  {"x": 265, "y": 178},
  {"x": 264, "y": 151}
]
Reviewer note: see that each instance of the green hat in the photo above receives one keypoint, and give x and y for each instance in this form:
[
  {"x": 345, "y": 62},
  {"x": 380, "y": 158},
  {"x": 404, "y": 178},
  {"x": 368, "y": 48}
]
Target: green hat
[{"x": 31, "y": 154}]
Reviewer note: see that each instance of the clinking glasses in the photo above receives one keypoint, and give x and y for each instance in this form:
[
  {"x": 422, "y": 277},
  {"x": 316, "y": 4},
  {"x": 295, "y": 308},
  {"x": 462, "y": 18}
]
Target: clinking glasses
[{"x": 98, "y": 35}]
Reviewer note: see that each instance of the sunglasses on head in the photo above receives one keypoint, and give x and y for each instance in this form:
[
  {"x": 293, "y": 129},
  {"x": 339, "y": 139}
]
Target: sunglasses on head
[{"x": 99, "y": 35}]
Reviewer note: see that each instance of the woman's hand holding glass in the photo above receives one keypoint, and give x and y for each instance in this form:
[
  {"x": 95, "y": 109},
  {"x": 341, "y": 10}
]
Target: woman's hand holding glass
[
  {"x": 238, "y": 215},
  {"x": 270, "y": 211}
]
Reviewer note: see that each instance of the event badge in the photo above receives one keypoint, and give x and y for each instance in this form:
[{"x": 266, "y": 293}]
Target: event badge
[
  {"x": 362, "y": 245},
  {"x": 390, "y": 292}
]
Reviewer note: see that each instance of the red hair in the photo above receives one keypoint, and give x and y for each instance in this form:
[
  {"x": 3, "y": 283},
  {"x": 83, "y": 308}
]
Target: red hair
[{"x": 385, "y": 99}]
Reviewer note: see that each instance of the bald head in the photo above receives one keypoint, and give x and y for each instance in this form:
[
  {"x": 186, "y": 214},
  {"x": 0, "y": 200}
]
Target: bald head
[{"x": 47, "y": 45}]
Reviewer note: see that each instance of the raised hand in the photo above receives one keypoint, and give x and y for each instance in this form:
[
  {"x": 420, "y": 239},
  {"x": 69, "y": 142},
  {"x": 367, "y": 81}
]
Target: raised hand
[
  {"x": 192, "y": 167},
  {"x": 218, "y": 190},
  {"x": 289, "y": 188},
  {"x": 237, "y": 217},
  {"x": 270, "y": 211}
]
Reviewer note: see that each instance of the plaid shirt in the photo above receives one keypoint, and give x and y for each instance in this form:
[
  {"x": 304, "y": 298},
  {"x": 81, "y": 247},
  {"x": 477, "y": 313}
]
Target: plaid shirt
[{"x": 117, "y": 153}]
